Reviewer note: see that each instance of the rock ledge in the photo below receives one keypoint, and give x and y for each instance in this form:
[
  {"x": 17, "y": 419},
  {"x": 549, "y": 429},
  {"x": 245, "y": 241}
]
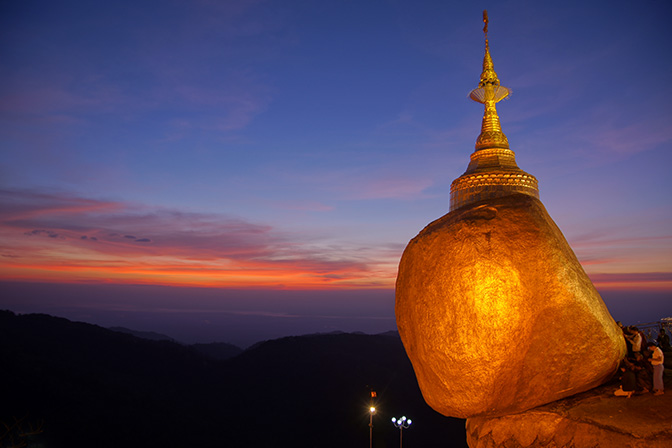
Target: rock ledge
[{"x": 595, "y": 418}]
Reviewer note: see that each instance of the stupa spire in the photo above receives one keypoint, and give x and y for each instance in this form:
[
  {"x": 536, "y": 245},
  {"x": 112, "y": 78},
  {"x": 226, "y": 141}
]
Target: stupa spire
[
  {"x": 489, "y": 93},
  {"x": 492, "y": 171}
]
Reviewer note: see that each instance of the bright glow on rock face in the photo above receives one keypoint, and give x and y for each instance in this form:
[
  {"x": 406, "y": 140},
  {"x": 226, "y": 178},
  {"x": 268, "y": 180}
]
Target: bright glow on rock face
[
  {"x": 496, "y": 313},
  {"x": 493, "y": 280}
]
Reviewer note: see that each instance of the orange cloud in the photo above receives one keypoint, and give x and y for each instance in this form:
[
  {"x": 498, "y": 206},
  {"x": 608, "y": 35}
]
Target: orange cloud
[
  {"x": 61, "y": 238},
  {"x": 650, "y": 281}
]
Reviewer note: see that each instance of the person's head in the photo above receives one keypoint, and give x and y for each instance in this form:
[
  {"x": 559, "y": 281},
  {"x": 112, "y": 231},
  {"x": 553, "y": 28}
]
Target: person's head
[{"x": 652, "y": 346}]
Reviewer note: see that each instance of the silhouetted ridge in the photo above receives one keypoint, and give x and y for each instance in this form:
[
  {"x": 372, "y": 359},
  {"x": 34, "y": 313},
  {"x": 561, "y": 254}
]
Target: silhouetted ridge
[
  {"x": 152, "y": 336},
  {"x": 96, "y": 387}
]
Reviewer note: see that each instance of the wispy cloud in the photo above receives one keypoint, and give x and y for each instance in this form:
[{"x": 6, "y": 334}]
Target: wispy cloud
[
  {"x": 621, "y": 250},
  {"x": 144, "y": 63},
  {"x": 306, "y": 206},
  {"x": 229, "y": 105},
  {"x": 59, "y": 237},
  {"x": 387, "y": 186},
  {"x": 651, "y": 281},
  {"x": 617, "y": 136}
]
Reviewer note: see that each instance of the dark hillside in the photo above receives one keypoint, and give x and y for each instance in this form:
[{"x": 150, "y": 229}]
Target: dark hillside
[
  {"x": 94, "y": 387},
  {"x": 218, "y": 350},
  {"x": 318, "y": 387},
  {"x": 97, "y": 387}
]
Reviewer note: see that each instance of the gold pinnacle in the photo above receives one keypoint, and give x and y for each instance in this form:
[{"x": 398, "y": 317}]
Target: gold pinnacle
[{"x": 489, "y": 92}]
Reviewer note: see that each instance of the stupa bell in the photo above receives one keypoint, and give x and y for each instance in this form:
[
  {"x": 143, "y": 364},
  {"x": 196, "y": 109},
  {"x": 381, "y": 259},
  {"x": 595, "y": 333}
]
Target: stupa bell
[{"x": 494, "y": 310}]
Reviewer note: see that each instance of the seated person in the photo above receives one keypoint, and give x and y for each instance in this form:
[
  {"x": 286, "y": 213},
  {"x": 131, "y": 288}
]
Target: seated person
[{"x": 628, "y": 381}]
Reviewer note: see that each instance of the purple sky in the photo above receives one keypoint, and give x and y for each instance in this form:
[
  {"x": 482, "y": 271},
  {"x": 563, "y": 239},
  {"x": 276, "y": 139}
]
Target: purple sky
[{"x": 283, "y": 153}]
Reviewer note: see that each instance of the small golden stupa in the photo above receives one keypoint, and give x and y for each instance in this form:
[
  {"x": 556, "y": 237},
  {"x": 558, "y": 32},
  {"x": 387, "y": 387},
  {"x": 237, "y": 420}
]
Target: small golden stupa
[{"x": 492, "y": 171}]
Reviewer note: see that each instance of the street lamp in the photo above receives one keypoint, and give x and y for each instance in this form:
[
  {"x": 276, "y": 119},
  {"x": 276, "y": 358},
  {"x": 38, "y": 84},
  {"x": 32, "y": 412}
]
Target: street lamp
[
  {"x": 372, "y": 410},
  {"x": 401, "y": 423}
]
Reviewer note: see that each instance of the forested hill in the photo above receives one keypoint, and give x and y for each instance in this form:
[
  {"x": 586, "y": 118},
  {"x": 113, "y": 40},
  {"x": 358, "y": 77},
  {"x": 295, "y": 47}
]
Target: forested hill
[{"x": 76, "y": 385}]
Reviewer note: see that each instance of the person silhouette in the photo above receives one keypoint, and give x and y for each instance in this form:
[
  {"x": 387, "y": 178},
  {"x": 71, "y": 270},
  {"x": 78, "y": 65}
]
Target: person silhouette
[{"x": 657, "y": 359}]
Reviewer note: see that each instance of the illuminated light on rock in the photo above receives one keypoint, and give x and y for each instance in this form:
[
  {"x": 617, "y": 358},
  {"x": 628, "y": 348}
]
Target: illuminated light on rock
[{"x": 495, "y": 311}]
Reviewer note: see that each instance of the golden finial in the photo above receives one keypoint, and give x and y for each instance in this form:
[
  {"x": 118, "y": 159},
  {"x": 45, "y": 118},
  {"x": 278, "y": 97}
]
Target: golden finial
[{"x": 489, "y": 92}]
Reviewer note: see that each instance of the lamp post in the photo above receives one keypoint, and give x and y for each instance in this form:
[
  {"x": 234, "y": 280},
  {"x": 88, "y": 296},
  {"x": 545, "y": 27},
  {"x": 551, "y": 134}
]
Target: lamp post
[
  {"x": 401, "y": 423},
  {"x": 372, "y": 410}
]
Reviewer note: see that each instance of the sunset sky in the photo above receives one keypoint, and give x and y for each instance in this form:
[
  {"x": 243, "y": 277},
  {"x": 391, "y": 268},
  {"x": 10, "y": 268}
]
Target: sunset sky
[{"x": 259, "y": 166}]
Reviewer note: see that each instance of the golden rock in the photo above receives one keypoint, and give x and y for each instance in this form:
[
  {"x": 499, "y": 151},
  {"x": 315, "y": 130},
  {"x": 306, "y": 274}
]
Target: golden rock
[{"x": 496, "y": 313}]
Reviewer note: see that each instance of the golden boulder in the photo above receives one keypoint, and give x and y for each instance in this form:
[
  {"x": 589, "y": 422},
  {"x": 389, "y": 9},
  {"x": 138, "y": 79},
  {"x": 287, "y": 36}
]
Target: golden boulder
[{"x": 497, "y": 315}]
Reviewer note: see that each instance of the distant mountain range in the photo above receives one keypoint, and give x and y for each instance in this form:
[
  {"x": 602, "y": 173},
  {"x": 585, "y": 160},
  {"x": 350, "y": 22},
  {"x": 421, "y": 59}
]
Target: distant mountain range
[
  {"x": 74, "y": 385},
  {"x": 214, "y": 350},
  {"x": 151, "y": 335}
]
